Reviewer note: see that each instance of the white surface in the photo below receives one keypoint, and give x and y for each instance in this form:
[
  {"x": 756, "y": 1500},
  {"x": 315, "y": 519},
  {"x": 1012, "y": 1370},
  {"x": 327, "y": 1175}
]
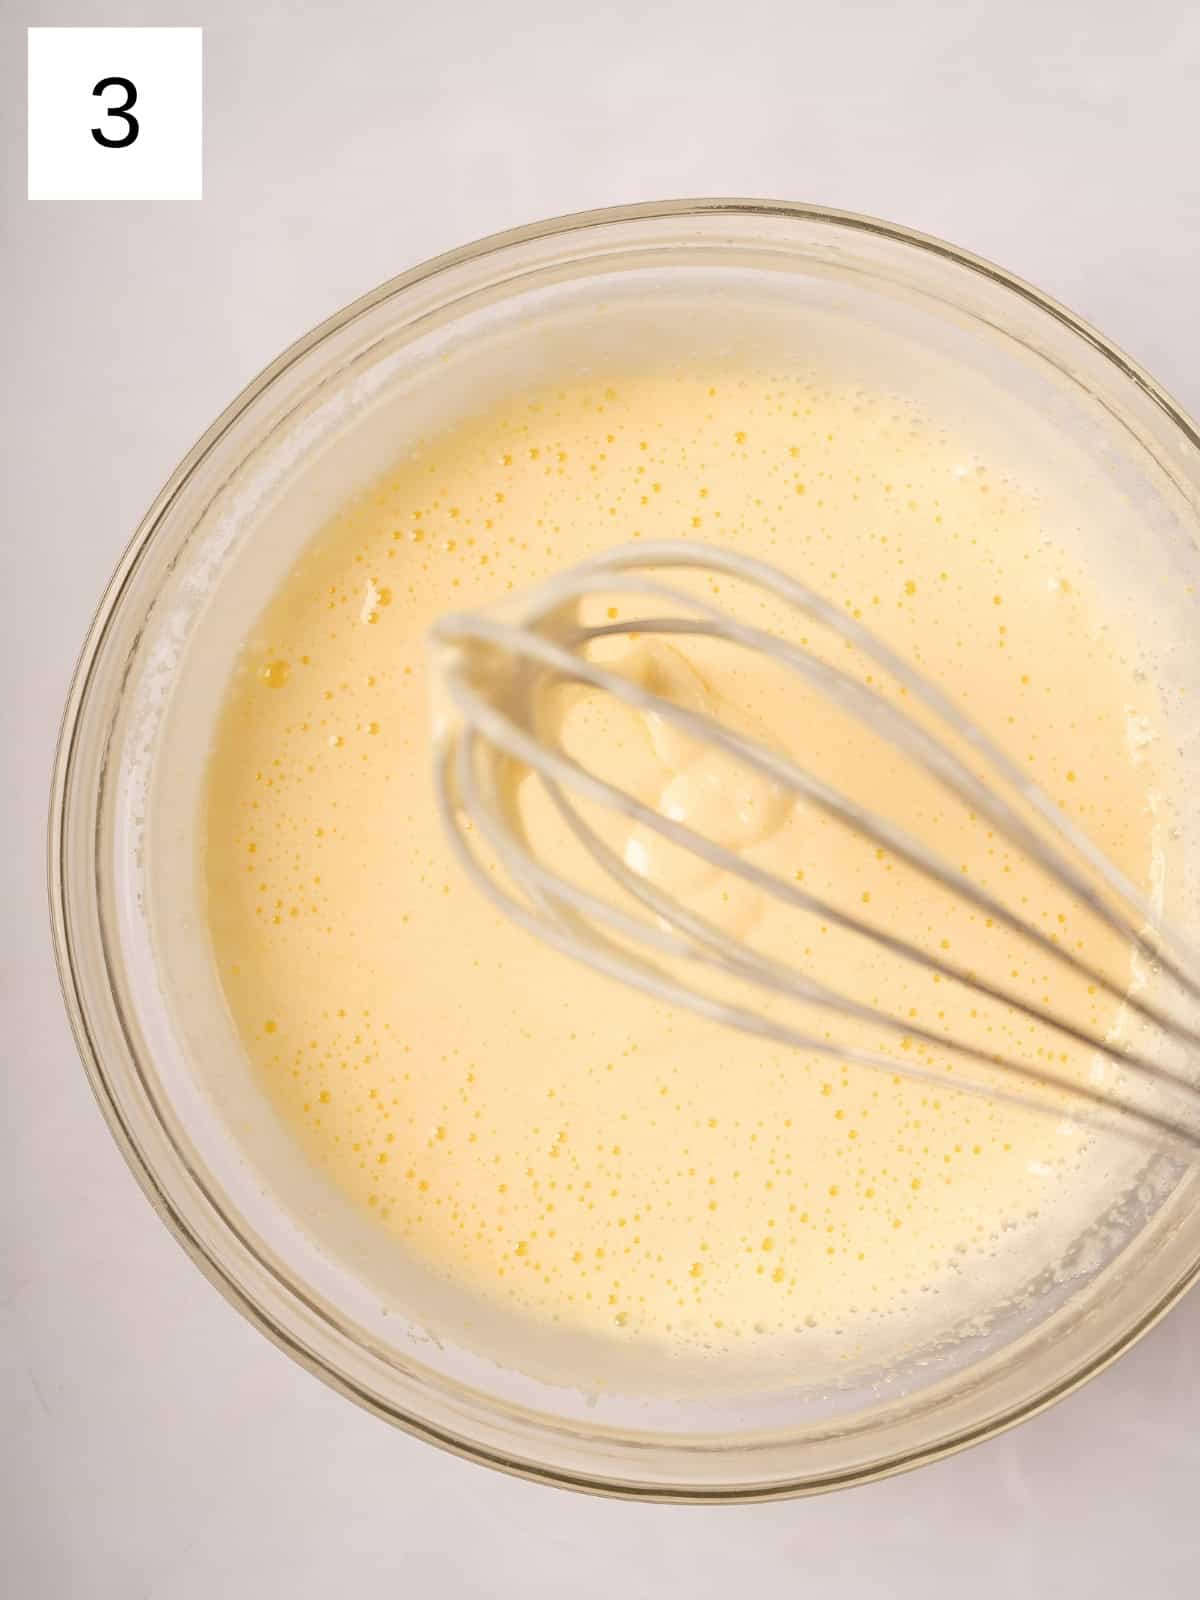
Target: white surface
[{"x": 151, "y": 1443}]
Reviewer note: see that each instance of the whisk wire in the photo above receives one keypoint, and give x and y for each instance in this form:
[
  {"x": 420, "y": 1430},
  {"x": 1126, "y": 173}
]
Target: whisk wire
[{"x": 544, "y": 644}]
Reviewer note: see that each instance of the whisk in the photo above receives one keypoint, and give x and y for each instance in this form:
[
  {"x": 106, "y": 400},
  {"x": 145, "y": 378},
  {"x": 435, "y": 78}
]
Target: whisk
[{"x": 492, "y": 673}]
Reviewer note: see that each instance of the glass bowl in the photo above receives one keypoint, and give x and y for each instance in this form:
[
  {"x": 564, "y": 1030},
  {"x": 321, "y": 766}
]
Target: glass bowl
[{"x": 324, "y": 419}]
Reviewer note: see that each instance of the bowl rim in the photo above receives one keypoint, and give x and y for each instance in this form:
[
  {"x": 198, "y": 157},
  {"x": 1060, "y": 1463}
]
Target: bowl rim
[{"x": 66, "y": 753}]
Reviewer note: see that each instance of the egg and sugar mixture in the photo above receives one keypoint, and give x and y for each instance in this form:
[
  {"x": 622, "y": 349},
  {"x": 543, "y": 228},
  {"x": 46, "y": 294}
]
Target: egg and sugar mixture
[{"x": 549, "y": 1141}]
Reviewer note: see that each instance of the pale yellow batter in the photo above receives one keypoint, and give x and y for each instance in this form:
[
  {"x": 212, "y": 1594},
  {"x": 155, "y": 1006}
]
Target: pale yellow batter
[{"x": 520, "y": 1125}]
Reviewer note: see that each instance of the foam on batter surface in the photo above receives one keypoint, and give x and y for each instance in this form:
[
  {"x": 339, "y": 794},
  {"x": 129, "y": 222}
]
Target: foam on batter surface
[{"x": 535, "y": 1134}]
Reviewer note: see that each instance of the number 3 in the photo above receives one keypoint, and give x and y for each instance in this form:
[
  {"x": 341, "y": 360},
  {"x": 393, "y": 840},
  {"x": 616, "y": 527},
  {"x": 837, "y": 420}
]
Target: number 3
[{"x": 122, "y": 111}]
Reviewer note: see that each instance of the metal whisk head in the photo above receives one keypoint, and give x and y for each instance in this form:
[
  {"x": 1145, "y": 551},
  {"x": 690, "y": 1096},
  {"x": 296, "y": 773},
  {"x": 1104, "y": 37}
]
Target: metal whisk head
[{"x": 585, "y": 886}]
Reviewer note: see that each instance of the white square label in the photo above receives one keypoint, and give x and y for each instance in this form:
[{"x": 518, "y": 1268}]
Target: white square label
[{"x": 115, "y": 113}]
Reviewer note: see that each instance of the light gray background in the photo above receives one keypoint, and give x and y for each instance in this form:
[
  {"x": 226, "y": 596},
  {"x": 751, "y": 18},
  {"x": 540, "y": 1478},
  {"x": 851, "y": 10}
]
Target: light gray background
[{"x": 152, "y": 1444}]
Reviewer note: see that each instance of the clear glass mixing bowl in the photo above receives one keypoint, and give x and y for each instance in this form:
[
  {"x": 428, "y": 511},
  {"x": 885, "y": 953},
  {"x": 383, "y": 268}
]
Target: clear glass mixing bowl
[{"x": 324, "y": 419}]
